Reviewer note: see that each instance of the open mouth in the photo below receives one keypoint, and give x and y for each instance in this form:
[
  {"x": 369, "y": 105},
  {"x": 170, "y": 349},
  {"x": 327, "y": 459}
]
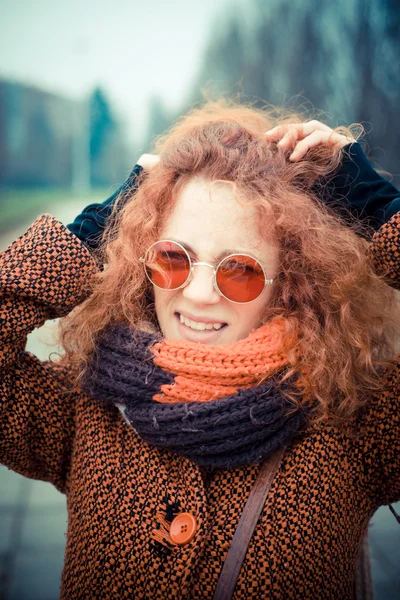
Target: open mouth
[{"x": 199, "y": 326}]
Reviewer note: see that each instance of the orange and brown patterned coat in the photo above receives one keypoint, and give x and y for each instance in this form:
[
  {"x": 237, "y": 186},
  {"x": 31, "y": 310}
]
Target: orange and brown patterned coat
[{"x": 119, "y": 489}]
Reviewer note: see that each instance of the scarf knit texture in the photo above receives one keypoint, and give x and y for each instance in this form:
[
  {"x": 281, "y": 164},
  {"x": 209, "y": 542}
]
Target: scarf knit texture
[{"x": 217, "y": 405}]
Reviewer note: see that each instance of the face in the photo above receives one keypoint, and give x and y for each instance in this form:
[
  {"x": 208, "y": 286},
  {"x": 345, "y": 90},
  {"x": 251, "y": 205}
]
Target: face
[{"x": 211, "y": 221}]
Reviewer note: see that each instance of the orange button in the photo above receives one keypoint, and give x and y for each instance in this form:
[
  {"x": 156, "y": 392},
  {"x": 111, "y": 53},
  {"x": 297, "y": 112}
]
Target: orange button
[{"x": 183, "y": 528}]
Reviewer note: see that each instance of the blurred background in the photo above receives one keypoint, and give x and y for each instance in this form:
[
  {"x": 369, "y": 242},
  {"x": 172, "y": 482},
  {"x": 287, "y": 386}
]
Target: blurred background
[{"x": 84, "y": 90}]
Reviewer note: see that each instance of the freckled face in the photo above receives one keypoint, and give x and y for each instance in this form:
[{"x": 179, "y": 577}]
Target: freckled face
[{"x": 210, "y": 220}]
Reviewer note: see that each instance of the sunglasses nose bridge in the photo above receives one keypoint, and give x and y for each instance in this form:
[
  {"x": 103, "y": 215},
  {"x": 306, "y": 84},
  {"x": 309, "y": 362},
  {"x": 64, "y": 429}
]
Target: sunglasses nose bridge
[{"x": 203, "y": 264}]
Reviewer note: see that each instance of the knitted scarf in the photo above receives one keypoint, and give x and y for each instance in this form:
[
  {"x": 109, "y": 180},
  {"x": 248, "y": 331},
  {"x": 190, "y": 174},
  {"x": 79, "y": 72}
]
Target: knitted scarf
[{"x": 217, "y": 405}]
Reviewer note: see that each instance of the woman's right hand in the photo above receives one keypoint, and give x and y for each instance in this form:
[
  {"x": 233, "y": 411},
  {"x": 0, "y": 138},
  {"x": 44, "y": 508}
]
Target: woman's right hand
[{"x": 148, "y": 161}]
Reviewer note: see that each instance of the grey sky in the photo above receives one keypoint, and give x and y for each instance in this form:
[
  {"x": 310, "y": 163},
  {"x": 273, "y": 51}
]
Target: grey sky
[{"x": 131, "y": 48}]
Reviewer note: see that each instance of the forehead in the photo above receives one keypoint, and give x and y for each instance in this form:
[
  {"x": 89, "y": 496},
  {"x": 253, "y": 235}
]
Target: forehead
[{"x": 210, "y": 219}]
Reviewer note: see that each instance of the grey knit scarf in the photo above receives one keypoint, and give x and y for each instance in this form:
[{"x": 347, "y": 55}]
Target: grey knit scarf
[{"x": 233, "y": 431}]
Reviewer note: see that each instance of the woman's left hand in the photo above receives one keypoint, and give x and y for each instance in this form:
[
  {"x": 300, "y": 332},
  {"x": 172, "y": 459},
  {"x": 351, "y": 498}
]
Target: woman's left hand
[{"x": 301, "y": 137}]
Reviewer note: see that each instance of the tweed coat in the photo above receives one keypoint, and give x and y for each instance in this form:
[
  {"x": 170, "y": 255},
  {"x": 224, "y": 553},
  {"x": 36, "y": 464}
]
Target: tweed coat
[{"x": 121, "y": 491}]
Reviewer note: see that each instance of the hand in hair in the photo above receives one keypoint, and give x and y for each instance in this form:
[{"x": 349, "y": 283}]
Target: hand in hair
[
  {"x": 301, "y": 137},
  {"x": 355, "y": 186},
  {"x": 148, "y": 161}
]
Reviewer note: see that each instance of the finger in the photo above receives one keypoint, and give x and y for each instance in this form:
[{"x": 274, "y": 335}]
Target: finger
[
  {"x": 276, "y": 133},
  {"x": 337, "y": 138},
  {"x": 314, "y": 139},
  {"x": 290, "y": 138},
  {"x": 314, "y": 125}
]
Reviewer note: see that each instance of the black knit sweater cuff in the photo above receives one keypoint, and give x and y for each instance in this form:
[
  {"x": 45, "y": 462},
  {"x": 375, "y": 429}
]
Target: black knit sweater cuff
[
  {"x": 89, "y": 225},
  {"x": 356, "y": 188}
]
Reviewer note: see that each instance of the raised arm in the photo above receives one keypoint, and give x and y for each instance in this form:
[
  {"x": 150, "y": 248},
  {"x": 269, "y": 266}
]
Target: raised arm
[{"x": 43, "y": 275}]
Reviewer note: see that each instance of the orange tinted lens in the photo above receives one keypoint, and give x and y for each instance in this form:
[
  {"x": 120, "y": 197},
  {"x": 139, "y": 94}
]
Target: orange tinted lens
[
  {"x": 240, "y": 278},
  {"x": 167, "y": 265}
]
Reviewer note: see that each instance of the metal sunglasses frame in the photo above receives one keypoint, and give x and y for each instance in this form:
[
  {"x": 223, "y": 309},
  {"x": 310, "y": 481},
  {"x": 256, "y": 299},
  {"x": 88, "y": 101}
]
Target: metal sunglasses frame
[{"x": 192, "y": 264}]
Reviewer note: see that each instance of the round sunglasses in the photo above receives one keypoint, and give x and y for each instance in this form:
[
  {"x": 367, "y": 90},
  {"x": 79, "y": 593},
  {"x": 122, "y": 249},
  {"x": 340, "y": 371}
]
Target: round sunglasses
[{"x": 239, "y": 278}]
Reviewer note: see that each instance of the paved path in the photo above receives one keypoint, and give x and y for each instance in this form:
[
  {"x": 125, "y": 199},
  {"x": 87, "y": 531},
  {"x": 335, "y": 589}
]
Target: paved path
[{"x": 33, "y": 515}]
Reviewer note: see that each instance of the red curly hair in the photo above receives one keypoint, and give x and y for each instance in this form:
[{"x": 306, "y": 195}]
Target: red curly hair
[{"x": 345, "y": 318}]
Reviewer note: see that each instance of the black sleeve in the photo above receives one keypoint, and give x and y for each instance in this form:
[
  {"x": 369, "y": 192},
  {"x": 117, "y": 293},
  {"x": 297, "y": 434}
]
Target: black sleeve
[
  {"x": 91, "y": 222},
  {"x": 356, "y": 188}
]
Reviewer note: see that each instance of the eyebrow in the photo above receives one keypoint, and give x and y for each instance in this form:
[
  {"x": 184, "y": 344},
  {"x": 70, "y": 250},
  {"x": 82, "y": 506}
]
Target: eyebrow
[{"x": 221, "y": 255}]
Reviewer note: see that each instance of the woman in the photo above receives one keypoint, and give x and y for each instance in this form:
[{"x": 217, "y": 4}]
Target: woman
[{"x": 230, "y": 312}]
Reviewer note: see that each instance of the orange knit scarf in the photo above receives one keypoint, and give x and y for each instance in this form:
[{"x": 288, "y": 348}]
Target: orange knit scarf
[
  {"x": 205, "y": 373},
  {"x": 164, "y": 390}
]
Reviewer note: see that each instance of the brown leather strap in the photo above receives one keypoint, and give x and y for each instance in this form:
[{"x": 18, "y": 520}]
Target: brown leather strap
[{"x": 247, "y": 523}]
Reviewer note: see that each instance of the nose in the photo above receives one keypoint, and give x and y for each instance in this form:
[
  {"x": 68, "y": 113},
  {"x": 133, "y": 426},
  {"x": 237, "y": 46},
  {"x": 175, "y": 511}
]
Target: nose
[{"x": 200, "y": 289}]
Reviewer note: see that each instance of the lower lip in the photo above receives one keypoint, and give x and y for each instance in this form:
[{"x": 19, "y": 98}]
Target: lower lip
[{"x": 207, "y": 336}]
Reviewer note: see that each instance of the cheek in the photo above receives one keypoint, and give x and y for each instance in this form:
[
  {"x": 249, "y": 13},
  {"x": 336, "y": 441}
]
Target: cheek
[
  {"x": 159, "y": 302},
  {"x": 251, "y": 315},
  {"x": 162, "y": 303}
]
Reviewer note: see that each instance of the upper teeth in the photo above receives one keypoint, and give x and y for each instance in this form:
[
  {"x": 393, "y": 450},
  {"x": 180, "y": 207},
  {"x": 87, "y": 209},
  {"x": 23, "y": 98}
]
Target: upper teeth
[{"x": 198, "y": 325}]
